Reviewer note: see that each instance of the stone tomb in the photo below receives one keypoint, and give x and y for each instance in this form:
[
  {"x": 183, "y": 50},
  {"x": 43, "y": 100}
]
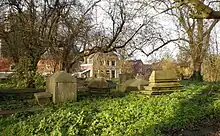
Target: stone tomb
[
  {"x": 126, "y": 76},
  {"x": 43, "y": 97},
  {"x": 62, "y": 87},
  {"x": 162, "y": 82},
  {"x": 98, "y": 85},
  {"x": 133, "y": 85}
]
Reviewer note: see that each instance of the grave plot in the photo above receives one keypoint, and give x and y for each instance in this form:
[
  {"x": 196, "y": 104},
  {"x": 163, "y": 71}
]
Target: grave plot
[
  {"x": 61, "y": 86},
  {"x": 18, "y": 100},
  {"x": 133, "y": 85},
  {"x": 161, "y": 82},
  {"x": 98, "y": 86}
]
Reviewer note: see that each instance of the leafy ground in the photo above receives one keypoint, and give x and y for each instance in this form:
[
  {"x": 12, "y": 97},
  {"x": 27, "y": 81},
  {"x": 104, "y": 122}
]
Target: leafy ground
[{"x": 132, "y": 115}]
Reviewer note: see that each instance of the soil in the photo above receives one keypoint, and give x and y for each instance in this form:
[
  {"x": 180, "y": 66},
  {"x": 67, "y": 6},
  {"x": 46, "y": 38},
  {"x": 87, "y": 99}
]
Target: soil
[
  {"x": 9, "y": 112},
  {"x": 206, "y": 127}
]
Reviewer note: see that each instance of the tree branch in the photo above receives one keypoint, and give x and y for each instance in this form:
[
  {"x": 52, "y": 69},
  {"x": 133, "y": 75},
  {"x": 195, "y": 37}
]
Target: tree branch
[
  {"x": 203, "y": 11},
  {"x": 161, "y": 46}
]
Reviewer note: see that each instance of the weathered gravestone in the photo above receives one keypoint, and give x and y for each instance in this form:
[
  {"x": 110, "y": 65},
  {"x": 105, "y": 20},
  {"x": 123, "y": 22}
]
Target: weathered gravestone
[
  {"x": 162, "y": 82},
  {"x": 98, "y": 85},
  {"x": 133, "y": 85},
  {"x": 125, "y": 77},
  {"x": 43, "y": 97},
  {"x": 82, "y": 85},
  {"x": 62, "y": 86}
]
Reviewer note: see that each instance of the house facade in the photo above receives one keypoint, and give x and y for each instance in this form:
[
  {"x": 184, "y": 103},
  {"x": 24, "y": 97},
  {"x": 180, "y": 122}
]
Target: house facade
[
  {"x": 47, "y": 66},
  {"x": 109, "y": 65},
  {"x": 101, "y": 65},
  {"x": 5, "y": 64}
]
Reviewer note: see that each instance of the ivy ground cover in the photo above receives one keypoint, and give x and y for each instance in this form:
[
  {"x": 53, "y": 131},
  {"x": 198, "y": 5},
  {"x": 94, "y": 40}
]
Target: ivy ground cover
[{"x": 132, "y": 115}]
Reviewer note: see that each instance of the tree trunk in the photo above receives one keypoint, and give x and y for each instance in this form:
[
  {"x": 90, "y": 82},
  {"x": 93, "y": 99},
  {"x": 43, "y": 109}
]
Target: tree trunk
[
  {"x": 32, "y": 70},
  {"x": 72, "y": 66},
  {"x": 64, "y": 66},
  {"x": 197, "y": 52},
  {"x": 31, "y": 78},
  {"x": 196, "y": 76}
]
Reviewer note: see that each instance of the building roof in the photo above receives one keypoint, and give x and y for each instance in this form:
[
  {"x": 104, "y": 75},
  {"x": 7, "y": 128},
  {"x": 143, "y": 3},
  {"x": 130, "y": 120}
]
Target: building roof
[
  {"x": 100, "y": 54},
  {"x": 136, "y": 61}
]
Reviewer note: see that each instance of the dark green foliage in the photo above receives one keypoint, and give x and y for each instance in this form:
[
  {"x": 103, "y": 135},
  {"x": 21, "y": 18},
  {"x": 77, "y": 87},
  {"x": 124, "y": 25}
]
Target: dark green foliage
[
  {"x": 14, "y": 82},
  {"x": 7, "y": 84},
  {"x": 40, "y": 81},
  {"x": 131, "y": 115}
]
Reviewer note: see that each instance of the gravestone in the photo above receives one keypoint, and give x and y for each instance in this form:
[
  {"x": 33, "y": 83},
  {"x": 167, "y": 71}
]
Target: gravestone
[
  {"x": 43, "y": 97},
  {"x": 82, "y": 85},
  {"x": 98, "y": 85},
  {"x": 163, "y": 81},
  {"x": 62, "y": 86},
  {"x": 133, "y": 85},
  {"x": 125, "y": 77}
]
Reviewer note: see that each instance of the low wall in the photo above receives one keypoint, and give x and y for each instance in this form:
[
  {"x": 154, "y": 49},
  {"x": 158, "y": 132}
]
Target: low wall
[{"x": 18, "y": 94}]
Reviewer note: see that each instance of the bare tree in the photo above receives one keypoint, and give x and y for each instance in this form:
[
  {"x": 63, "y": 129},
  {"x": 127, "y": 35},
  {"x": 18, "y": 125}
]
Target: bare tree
[
  {"x": 66, "y": 30},
  {"x": 195, "y": 32},
  {"x": 211, "y": 62},
  {"x": 30, "y": 29},
  {"x": 83, "y": 35}
]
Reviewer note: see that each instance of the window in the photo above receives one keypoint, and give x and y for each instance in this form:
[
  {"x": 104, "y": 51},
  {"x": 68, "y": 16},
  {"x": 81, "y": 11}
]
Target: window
[
  {"x": 107, "y": 73},
  {"x": 95, "y": 73},
  {"x": 113, "y": 73},
  {"x": 113, "y": 63},
  {"x": 12, "y": 67},
  {"x": 42, "y": 62},
  {"x": 101, "y": 62},
  {"x": 108, "y": 62},
  {"x": 47, "y": 66},
  {"x": 89, "y": 61}
]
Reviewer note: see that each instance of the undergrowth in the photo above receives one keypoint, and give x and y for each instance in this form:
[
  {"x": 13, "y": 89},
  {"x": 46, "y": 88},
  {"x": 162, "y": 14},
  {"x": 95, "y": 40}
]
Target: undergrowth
[{"x": 132, "y": 115}]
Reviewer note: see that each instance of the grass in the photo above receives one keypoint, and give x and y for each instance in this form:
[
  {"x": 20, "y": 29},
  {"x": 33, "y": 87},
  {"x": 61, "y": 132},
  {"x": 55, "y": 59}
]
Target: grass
[{"x": 132, "y": 115}]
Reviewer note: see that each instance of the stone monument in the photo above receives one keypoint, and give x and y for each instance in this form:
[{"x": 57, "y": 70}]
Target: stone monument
[
  {"x": 62, "y": 86},
  {"x": 126, "y": 76},
  {"x": 98, "y": 85},
  {"x": 163, "y": 81}
]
